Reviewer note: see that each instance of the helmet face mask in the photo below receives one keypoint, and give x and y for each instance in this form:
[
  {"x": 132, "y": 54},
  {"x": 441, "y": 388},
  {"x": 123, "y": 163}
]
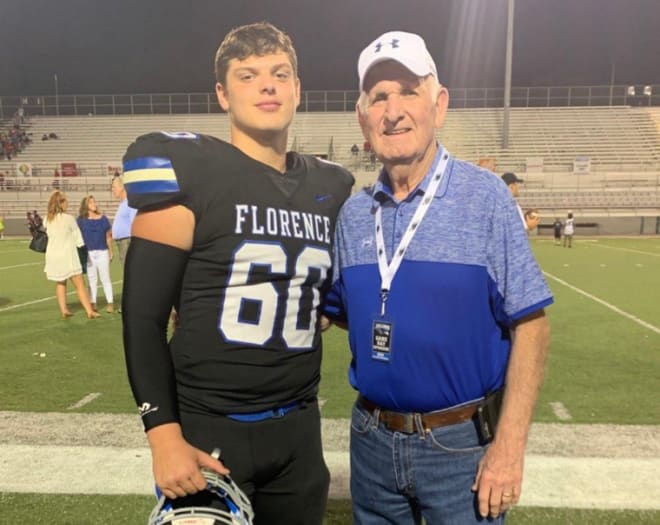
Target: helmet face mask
[{"x": 237, "y": 508}]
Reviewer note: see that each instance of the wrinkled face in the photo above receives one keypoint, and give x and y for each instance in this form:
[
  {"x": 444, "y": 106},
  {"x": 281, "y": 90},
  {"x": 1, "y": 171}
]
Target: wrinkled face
[
  {"x": 261, "y": 94},
  {"x": 401, "y": 113}
]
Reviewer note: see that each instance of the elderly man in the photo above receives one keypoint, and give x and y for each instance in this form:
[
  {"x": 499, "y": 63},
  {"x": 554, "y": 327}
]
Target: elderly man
[{"x": 445, "y": 309}]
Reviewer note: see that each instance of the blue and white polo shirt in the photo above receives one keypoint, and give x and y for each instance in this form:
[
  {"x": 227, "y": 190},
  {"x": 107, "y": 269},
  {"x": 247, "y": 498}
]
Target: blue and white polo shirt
[{"x": 467, "y": 276}]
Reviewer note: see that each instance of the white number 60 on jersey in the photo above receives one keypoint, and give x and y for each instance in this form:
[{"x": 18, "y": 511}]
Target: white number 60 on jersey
[{"x": 265, "y": 294}]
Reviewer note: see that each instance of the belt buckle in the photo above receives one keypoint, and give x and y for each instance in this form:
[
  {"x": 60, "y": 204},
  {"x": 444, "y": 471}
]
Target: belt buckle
[
  {"x": 408, "y": 424},
  {"x": 390, "y": 419}
]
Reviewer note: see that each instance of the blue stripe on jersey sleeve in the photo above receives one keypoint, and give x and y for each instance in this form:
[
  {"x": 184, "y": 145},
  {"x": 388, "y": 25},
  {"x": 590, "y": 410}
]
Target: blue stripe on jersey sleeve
[{"x": 142, "y": 163}]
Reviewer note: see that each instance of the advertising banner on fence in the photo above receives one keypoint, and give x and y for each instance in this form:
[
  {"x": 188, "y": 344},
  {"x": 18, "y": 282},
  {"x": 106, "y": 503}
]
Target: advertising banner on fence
[
  {"x": 69, "y": 169},
  {"x": 23, "y": 169},
  {"x": 582, "y": 164}
]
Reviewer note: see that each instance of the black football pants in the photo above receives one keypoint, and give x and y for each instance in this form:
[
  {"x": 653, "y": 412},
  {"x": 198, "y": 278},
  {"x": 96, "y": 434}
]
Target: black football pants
[{"x": 277, "y": 462}]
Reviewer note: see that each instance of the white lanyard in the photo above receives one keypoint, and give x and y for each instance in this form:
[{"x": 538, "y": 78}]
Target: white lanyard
[{"x": 388, "y": 271}]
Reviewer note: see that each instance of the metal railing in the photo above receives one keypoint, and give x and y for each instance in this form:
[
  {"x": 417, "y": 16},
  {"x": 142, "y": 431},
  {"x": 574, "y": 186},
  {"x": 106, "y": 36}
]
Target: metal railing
[{"x": 323, "y": 101}]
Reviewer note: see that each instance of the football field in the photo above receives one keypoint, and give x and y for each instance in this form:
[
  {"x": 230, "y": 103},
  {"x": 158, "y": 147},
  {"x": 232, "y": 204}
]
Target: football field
[{"x": 72, "y": 452}]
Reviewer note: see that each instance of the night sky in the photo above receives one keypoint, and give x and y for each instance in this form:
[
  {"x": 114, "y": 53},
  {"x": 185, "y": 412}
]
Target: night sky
[{"x": 167, "y": 46}]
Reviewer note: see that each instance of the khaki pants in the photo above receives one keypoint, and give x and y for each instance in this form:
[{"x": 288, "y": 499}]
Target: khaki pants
[{"x": 122, "y": 248}]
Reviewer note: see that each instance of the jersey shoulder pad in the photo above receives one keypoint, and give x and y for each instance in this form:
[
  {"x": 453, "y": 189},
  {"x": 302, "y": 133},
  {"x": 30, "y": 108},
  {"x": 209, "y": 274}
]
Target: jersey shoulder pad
[{"x": 150, "y": 177}]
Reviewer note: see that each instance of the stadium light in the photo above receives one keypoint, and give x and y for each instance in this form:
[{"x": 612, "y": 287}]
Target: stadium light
[
  {"x": 631, "y": 91},
  {"x": 648, "y": 91}
]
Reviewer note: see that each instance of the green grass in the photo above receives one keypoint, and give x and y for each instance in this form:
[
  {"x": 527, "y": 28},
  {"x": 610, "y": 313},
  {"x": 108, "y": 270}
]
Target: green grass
[{"x": 603, "y": 366}]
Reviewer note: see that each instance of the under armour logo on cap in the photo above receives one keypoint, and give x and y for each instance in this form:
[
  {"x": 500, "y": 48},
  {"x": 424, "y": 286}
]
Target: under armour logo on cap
[
  {"x": 394, "y": 43},
  {"x": 408, "y": 49}
]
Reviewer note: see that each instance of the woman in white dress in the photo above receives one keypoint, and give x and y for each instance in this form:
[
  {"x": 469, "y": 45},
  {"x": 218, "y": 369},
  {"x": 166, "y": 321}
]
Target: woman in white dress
[{"x": 62, "y": 261}]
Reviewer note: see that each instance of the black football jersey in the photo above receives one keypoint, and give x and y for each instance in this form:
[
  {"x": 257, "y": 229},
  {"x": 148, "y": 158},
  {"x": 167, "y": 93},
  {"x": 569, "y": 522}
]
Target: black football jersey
[{"x": 248, "y": 337}]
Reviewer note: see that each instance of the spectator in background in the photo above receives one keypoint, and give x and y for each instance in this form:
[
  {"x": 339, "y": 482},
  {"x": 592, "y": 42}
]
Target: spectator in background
[
  {"x": 32, "y": 228},
  {"x": 2, "y": 182},
  {"x": 532, "y": 219},
  {"x": 569, "y": 229},
  {"x": 556, "y": 226},
  {"x": 62, "y": 259},
  {"x": 366, "y": 148},
  {"x": 56, "y": 179},
  {"x": 121, "y": 225},
  {"x": 96, "y": 232},
  {"x": 2, "y": 226},
  {"x": 511, "y": 180},
  {"x": 38, "y": 221}
]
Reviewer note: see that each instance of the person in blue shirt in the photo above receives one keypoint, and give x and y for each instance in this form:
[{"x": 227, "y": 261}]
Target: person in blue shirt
[
  {"x": 96, "y": 232},
  {"x": 121, "y": 225},
  {"x": 444, "y": 303}
]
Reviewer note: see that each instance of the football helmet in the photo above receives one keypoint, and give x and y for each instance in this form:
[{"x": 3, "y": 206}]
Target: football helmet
[{"x": 237, "y": 507}]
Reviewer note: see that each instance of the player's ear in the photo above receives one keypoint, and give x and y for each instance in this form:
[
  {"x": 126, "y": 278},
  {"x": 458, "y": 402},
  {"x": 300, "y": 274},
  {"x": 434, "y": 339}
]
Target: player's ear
[
  {"x": 297, "y": 91},
  {"x": 441, "y": 105},
  {"x": 221, "y": 94}
]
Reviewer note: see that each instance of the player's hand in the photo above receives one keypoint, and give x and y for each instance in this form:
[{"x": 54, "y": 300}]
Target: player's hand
[
  {"x": 498, "y": 482},
  {"x": 177, "y": 464}
]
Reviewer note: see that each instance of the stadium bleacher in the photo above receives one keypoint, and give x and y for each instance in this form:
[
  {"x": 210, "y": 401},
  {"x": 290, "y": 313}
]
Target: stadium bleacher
[{"x": 621, "y": 143}]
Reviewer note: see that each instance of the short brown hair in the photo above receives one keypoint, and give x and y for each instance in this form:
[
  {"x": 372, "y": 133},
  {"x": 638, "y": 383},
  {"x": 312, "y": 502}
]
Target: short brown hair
[{"x": 257, "y": 39}]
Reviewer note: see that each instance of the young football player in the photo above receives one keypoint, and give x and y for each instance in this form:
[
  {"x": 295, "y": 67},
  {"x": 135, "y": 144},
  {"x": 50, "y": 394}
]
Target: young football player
[{"x": 238, "y": 238}]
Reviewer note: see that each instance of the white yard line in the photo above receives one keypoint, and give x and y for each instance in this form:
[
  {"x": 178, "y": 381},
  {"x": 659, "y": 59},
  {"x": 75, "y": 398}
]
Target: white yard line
[
  {"x": 625, "y": 249},
  {"x": 85, "y": 400},
  {"x": 20, "y": 265},
  {"x": 605, "y": 304},
  {"x": 560, "y": 411},
  {"x": 2, "y": 252},
  {"x": 43, "y": 299},
  {"x": 29, "y": 303}
]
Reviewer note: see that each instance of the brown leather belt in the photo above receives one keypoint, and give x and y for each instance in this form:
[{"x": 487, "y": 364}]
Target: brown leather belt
[{"x": 405, "y": 421}]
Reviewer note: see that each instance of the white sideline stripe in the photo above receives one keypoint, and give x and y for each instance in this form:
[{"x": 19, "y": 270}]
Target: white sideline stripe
[
  {"x": 606, "y": 304},
  {"x": 13, "y": 307},
  {"x": 2, "y": 252},
  {"x": 85, "y": 400},
  {"x": 627, "y": 250},
  {"x": 19, "y": 265},
  {"x": 560, "y": 410},
  {"x": 44, "y": 299},
  {"x": 550, "y": 481}
]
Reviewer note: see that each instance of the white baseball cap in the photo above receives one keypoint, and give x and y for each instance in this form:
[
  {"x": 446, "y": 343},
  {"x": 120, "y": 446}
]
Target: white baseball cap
[{"x": 408, "y": 49}]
